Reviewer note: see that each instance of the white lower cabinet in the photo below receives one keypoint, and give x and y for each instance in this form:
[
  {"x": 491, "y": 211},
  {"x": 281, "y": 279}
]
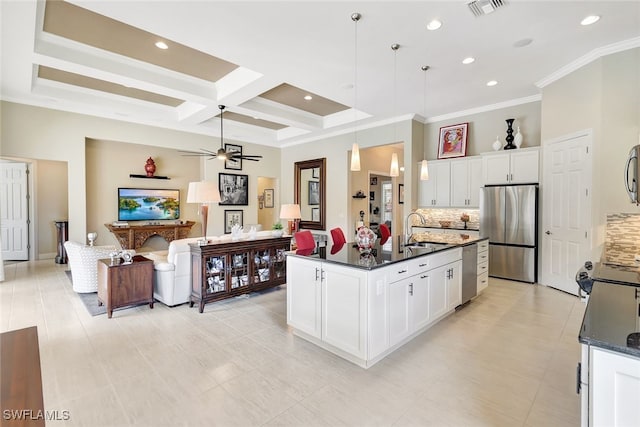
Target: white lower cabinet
[
  {"x": 304, "y": 295},
  {"x": 614, "y": 393},
  {"x": 344, "y": 308},
  {"x": 362, "y": 315}
]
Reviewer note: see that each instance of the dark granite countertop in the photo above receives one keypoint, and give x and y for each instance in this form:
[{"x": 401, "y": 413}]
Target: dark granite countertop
[
  {"x": 445, "y": 228},
  {"x": 612, "y": 315},
  {"x": 391, "y": 252}
]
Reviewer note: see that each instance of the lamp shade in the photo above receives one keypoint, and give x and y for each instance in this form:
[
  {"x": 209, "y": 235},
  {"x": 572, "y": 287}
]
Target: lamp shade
[
  {"x": 424, "y": 171},
  {"x": 355, "y": 158},
  {"x": 290, "y": 212},
  {"x": 395, "y": 169},
  {"x": 203, "y": 192}
]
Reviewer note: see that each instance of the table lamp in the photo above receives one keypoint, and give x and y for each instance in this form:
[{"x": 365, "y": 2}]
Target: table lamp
[
  {"x": 203, "y": 192},
  {"x": 291, "y": 213}
]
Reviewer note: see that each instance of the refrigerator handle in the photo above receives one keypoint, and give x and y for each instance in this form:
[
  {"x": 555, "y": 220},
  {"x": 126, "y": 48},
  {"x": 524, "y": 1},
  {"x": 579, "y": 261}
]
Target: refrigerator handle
[{"x": 631, "y": 190}]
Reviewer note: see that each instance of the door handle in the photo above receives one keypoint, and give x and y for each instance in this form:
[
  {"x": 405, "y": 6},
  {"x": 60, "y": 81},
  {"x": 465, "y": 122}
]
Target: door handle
[
  {"x": 547, "y": 232},
  {"x": 316, "y": 274},
  {"x": 411, "y": 289}
]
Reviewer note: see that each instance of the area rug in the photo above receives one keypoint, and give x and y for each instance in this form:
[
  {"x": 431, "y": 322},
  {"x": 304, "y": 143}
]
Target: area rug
[{"x": 90, "y": 300}]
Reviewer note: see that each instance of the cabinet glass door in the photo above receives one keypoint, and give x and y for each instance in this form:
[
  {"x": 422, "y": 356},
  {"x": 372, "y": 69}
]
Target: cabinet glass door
[
  {"x": 261, "y": 262},
  {"x": 215, "y": 274},
  {"x": 239, "y": 269},
  {"x": 278, "y": 263}
]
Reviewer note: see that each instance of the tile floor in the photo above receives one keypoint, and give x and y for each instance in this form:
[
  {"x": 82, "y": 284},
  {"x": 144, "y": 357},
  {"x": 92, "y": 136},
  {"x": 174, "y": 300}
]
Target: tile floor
[{"x": 506, "y": 359}]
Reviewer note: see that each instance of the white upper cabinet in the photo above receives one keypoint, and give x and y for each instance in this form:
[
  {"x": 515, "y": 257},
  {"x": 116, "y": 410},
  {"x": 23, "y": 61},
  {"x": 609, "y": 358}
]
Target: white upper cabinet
[
  {"x": 466, "y": 181},
  {"x": 518, "y": 166},
  {"x": 435, "y": 191}
]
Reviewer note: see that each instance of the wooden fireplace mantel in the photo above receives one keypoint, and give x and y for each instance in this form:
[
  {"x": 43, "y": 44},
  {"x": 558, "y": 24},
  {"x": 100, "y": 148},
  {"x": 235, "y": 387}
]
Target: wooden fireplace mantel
[{"x": 134, "y": 236}]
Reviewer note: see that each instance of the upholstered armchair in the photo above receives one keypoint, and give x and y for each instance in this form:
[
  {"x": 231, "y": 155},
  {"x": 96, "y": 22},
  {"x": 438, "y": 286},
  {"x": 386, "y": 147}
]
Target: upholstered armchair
[{"x": 83, "y": 261}]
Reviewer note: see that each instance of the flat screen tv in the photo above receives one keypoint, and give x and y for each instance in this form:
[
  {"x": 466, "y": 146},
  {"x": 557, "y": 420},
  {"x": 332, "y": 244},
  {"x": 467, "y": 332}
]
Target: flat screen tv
[{"x": 147, "y": 204}]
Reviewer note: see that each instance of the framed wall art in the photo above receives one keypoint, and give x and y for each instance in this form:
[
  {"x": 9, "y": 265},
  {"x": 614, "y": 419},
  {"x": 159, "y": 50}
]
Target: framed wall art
[
  {"x": 315, "y": 214},
  {"x": 268, "y": 198},
  {"x": 231, "y": 218},
  {"x": 234, "y": 189},
  {"x": 401, "y": 194},
  {"x": 453, "y": 141},
  {"x": 233, "y": 163}
]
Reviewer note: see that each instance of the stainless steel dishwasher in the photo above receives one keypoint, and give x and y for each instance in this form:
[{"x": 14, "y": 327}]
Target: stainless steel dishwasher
[{"x": 469, "y": 272}]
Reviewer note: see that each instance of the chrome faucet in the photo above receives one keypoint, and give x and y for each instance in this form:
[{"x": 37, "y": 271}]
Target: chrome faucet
[{"x": 407, "y": 233}]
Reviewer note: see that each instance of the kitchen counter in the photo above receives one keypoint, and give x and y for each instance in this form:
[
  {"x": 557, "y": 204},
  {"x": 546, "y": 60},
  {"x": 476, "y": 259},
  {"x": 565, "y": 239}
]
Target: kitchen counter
[
  {"x": 392, "y": 252},
  {"x": 612, "y": 315},
  {"x": 438, "y": 226}
]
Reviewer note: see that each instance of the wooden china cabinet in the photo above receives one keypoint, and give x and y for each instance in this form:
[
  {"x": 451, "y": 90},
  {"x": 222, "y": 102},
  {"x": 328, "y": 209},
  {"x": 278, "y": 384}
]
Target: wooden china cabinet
[{"x": 224, "y": 270}]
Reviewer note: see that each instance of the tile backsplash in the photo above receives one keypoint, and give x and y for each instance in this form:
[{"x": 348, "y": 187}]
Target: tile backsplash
[
  {"x": 622, "y": 238},
  {"x": 453, "y": 215}
]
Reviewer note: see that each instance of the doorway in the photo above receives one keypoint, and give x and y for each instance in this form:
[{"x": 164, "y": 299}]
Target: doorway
[
  {"x": 268, "y": 208},
  {"x": 380, "y": 201},
  {"x": 566, "y": 219}
]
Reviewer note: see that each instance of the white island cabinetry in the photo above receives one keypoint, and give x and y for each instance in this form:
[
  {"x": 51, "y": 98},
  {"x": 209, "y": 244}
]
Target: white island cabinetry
[{"x": 362, "y": 315}]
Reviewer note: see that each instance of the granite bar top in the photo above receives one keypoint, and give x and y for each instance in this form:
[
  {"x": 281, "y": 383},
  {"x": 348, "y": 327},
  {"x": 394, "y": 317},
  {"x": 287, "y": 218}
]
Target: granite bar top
[
  {"x": 612, "y": 318},
  {"x": 394, "y": 250},
  {"x": 445, "y": 228}
]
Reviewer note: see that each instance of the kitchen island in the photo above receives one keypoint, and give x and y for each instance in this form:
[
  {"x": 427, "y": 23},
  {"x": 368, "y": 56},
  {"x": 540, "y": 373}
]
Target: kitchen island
[
  {"x": 609, "y": 373},
  {"x": 363, "y": 307}
]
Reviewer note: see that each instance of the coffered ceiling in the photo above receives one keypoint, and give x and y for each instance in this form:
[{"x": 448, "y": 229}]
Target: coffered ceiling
[{"x": 261, "y": 59}]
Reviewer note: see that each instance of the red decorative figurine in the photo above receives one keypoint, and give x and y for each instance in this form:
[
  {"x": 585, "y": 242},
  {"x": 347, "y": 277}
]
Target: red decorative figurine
[{"x": 150, "y": 167}]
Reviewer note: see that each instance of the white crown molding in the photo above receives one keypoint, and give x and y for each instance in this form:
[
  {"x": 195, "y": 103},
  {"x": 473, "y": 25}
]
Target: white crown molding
[
  {"x": 588, "y": 58},
  {"x": 485, "y": 108}
]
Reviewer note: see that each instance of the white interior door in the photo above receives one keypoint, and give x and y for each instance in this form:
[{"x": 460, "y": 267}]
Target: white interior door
[
  {"x": 14, "y": 214},
  {"x": 566, "y": 220}
]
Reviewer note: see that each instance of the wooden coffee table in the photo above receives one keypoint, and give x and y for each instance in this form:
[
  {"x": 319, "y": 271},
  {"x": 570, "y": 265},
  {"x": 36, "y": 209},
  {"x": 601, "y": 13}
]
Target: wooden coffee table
[{"x": 122, "y": 285}]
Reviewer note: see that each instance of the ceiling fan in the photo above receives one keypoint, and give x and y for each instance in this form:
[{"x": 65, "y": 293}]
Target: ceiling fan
[{"x": 221, "y": 153}]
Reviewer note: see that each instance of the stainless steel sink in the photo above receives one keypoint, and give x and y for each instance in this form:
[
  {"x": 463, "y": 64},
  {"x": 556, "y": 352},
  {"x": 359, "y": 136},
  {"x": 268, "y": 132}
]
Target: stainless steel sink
[{"x": 426, "y": 245}]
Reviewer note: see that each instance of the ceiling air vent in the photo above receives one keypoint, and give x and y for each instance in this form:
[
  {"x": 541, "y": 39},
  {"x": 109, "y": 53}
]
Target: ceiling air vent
[{"x": 484, "y": 7}]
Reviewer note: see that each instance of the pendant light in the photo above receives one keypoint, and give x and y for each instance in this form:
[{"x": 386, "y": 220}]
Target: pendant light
[
  {"x": 355, "y": 150},
  {"x": 394, "y": 170},
  {"x": 424, "y": 167}
]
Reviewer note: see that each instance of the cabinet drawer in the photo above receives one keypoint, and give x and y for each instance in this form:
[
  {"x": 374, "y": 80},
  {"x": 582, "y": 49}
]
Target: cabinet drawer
[
  {"x": 420, "y": 264},
  {"x": 483, "y": 281},
  {"x": 445, "y": 257},
  {"x": 483, "y": 256},
  {"x": 399, "y": 271},
  {"x": 483, "y": 267},
  {"x": 483, "y": 246}
]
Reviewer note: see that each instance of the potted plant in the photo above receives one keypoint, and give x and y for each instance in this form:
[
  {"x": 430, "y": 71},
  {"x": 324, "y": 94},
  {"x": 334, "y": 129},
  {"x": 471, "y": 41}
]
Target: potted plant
[{"x": 277, "y": 230}]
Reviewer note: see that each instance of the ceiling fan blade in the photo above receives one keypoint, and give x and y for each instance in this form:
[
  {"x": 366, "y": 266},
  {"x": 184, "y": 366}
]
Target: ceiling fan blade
[
  {"x": 253, "y": 160},
  {"x": 196, "y": 153},
  {"x": 248, "y": 156}
]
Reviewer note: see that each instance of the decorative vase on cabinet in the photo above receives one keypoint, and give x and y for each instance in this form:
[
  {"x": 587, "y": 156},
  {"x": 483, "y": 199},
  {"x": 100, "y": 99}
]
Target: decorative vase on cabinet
[
  {"x": 509, "y": 137},
  {"x": 497, "y": 145},
  {"x": 517, "y": 140}
]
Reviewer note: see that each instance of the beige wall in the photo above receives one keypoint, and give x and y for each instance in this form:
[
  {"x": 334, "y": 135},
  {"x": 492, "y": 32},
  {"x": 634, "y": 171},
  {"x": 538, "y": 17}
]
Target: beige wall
[
  {"x": 485, "y": 126},
  {"x": 52, "y": 203},
  {"x": 602, "y": 97},
  {"x": 108, "y": 169},
  {"x": 39, "y": 133},
  {"x": 267, "y": 216},
  {"x": 339, "y": 179}
]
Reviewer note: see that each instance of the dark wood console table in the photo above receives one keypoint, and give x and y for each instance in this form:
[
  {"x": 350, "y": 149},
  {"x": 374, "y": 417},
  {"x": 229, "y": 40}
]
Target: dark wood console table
[
  {"x": 21, "y": 390},
  {"x": 227, "y": 269},
  {"x": 134, "y": 236}
]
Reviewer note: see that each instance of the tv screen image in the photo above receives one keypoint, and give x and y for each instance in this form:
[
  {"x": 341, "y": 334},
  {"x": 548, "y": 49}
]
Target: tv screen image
[{"x": 146, "y": 204}]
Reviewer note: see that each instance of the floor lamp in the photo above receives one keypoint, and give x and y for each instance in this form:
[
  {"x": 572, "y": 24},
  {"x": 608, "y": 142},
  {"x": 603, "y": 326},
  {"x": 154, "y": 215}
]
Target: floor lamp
[
  {"x": 203, "y": 192},
  {"x": 291, "y": 213}
]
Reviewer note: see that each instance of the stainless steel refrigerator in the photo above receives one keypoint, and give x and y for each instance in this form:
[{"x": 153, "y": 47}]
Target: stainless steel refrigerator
[{"x": 509, "y": 218}]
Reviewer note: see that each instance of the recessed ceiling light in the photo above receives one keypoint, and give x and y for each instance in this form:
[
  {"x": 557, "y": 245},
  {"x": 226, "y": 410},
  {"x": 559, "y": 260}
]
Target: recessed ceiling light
[
  {"x": 522, "y": 43},
  {"x": 468, "y": 60},
  {"x": 492, "y": 83},
  {"x": 434, "y": 25},
  {"x": 162, "y": 45},
  {"x": 591, "y": 19},
  {"x": 308, "y": 97}
]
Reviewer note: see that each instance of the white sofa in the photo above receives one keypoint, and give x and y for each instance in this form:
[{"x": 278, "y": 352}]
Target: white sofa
[{"x": 172, "y": 269}]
